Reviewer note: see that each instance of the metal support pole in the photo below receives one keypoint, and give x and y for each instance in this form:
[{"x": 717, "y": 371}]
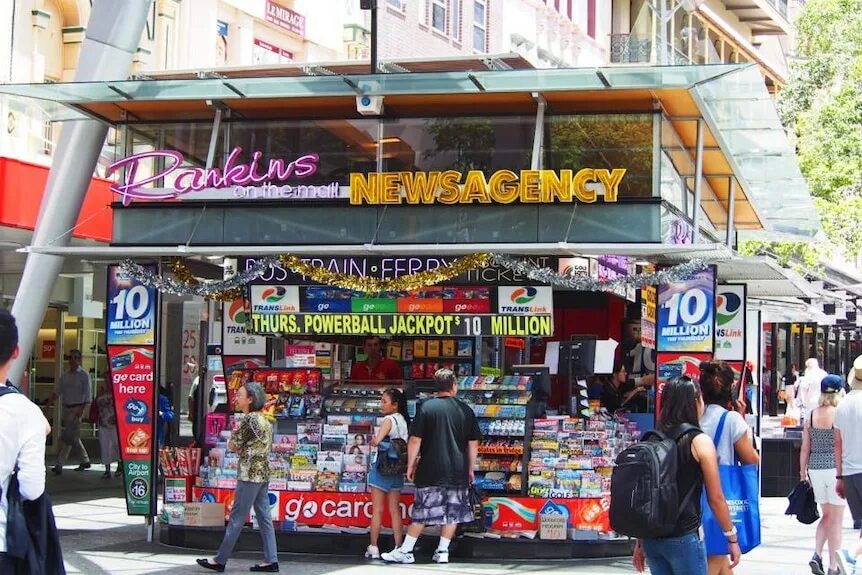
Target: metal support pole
[
  {"x": 373, "y": 36},
  {"x": 731, "y": 211},
  {"x": 214, "y": 138},
  {"x": 698, "y": 182},
  {"x": 539, "y": 132},
  {"x": 111, "y": 39}
]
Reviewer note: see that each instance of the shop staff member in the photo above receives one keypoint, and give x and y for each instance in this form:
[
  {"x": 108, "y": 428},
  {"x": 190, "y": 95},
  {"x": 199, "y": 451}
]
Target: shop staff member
[
  {"x": 375, "y": 367},
  {"x": 74, "y": 389}
]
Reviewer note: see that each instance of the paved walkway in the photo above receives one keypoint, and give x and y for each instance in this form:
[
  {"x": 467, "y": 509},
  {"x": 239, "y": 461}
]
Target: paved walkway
[{"x": 98, "y": 538}]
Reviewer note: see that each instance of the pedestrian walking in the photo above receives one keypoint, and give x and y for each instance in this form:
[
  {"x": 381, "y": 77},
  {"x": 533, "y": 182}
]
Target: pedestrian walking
[
  {"x": 683, "y": 551},
  {"x": 442, "y": 451},
  {"x": 716, "y": 384},
  {"x": 253, "y": 442},
  {"x": 817, "y": 468},
  {"x": 108, "y": 446},
  {"x": 808, "y": 388},
  {"x": 386, "y": 485},
  {"x": 848, "y": 457},
  {"x": 75, "y": 394},
  {"x": 22, "y": 440}
]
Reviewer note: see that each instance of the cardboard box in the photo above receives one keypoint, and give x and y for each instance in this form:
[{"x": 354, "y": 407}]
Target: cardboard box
[
  {"x": 553, "y": 527},
  {"x": 204, "y": 515}
]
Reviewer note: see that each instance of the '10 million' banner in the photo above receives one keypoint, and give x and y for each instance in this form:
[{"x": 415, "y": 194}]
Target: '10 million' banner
[{"x": 131, "y": 333}]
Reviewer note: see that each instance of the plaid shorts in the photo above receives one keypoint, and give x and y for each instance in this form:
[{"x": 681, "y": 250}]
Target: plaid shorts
[{"x": 442, "y": 506}]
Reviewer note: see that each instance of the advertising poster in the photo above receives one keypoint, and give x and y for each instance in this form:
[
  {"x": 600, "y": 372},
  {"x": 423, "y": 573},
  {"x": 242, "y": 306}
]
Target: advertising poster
[
  {"x": 648, "y": 316},
  {"x": 686, "y": 314},
  {"x": 131, "y": 309},
  {"x": 132, "y": 378},
  {"x": 671, "y": 365},
  {"x": 355, "y": 509},
  {"x": 236, "y": 338},
  {"x": 730, "y": 322}
]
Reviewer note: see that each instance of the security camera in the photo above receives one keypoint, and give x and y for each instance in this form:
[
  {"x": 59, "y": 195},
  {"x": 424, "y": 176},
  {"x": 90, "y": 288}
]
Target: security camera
[{"x": 369, "y": 105}]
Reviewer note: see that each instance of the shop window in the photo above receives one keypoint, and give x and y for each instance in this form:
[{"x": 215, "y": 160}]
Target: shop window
[
  {"x": 462, "y": 143},
  {"x": 480, "y": 25},
  {"x": 606, "y": 141}
]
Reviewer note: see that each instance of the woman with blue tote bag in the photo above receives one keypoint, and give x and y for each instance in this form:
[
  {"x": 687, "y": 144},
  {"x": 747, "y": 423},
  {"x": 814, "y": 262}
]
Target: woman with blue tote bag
[{"x": 737, "y": 465}]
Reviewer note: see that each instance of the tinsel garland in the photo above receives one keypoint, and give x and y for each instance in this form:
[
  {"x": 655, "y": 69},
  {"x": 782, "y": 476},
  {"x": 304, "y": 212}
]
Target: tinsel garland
[
  {"x": 184, "y": 283},
  {"x": 374, "y": 285},
  {"x": 551, "y": 277}
]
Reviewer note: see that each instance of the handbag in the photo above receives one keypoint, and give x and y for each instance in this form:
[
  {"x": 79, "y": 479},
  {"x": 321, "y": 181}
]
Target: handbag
[
  {"x": 93, "y": 416},
  {"x": 803, "y": 504},
  {"x": 739, "y": 485},
  {"x": 477, "y": 525},
  {"x": 17, "y": 534}
]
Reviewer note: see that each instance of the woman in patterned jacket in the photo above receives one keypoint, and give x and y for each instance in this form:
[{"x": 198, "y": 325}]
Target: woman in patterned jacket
[{"x": 252, "y": 441}]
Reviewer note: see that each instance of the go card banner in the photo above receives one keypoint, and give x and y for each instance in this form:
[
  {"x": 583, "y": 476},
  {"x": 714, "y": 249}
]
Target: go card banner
[
  {"x": 131, "y": 309},
  {"x": 730, "y": 323},
  {"x": 686, "y": 314},
  {"x": 133, "y": 383}
]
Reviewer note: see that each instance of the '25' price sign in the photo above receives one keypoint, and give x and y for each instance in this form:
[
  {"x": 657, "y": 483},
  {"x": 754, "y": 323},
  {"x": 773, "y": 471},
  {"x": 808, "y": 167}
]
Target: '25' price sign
[
  {"x": 131, "y": 309},
  {"x": 686, "y": 314}
]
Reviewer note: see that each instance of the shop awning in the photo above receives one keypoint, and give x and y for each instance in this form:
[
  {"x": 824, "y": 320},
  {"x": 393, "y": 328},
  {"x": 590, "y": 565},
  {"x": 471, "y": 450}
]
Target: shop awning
[
  {"x": 765, "y": 278},
  {"x": 744, "y": 142}
]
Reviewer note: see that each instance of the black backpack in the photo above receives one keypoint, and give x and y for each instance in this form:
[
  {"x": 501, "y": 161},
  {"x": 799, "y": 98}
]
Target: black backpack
[{"x": 645, "y": 498}]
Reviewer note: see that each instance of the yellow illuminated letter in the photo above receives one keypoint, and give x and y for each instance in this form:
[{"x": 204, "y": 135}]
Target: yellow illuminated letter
[
  {"x": 611, "y": 179},
  {"x": 579, "y": 185},
  {"x": 363, "y": 190}
]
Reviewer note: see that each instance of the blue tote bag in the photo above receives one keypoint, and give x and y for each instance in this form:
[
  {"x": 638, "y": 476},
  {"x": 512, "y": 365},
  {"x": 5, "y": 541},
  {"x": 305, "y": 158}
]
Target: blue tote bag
[{"x": 740, "y": 487}]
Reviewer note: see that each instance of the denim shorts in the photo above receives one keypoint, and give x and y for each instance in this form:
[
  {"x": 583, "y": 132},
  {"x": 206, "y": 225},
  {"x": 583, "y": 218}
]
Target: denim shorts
[
  {"x": 684, "y": 555},
  {"x": 385, "y": 483}
]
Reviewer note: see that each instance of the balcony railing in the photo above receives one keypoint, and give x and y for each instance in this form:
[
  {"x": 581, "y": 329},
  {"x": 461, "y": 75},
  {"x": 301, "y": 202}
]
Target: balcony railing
[{"x": 630, "y": 49}]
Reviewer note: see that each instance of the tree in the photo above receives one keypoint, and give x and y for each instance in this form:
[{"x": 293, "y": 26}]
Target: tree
[{"x": 822, "y": 104}]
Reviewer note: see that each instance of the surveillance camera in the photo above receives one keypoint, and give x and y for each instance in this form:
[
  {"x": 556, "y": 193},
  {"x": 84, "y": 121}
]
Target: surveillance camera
[{"x": 369, "y": 105}]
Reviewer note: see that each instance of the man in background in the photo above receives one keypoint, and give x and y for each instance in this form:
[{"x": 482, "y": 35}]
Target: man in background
[
  {"x": 848, "y": 456},
  {"x": 441, "y": 456},
  {"x": 75, "y": 393},
  {"x": 808, "y": 393},
  {"x": 376, "y": 367}
]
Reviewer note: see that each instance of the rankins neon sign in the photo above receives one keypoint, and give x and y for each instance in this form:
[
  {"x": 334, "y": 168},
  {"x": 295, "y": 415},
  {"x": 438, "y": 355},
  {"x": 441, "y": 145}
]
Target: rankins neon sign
[
  {"x": 502, "y": 187},
  {"x": 245, "y": 179}
]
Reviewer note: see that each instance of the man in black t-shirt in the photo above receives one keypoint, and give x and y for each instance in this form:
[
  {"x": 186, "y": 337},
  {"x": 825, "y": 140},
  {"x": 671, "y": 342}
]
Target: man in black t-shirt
[{"x": 441, "y": 455}]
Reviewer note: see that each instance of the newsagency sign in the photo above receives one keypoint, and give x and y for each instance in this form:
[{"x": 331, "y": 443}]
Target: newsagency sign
[
  {"x": 284, "y": 324},
  {"x": 249, "y": 176}
]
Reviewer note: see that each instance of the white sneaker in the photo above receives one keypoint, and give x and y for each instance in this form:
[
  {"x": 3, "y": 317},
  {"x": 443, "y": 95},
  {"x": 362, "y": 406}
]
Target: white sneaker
[
  {"x": 372, "y": 552},
  {"x": 440, "y": 556},
  {"x": 398, "y": 556}
]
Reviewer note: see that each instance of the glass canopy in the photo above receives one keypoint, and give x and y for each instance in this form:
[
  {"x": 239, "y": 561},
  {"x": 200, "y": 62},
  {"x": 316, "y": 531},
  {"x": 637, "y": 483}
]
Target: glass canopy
[{"x": 732, "y": 99}]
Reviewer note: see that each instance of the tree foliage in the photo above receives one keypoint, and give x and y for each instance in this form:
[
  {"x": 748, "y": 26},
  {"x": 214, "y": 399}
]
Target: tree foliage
[{"x": 822, "y": 103}]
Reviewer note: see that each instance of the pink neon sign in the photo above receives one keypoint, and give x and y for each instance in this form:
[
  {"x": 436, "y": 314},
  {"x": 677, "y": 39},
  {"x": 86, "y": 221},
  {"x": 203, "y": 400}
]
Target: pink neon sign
[{"x": 189, "y": 179}]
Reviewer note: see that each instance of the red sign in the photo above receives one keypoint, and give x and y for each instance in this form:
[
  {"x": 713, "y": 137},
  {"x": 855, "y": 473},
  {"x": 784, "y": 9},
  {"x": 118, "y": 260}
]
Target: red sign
[
  {"x": 49, "y": 349},
  {"x": 274, "y": 49},
  {"x": 354, "y": 509},
  {"x": 132, "y": 377},
  {"x": 671, "y": 365},
  {"x": 285, "y": 18},
  {"x": 522, "y": 513}
]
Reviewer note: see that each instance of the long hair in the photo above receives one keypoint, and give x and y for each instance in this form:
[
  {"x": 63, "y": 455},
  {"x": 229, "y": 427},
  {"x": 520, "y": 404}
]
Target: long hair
[
  {"x": 679, "y": 403},
  {"x": 397, "y": 397}
]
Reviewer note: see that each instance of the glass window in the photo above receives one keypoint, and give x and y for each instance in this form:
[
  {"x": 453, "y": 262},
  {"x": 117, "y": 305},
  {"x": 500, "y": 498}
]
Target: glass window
[
  {"x": 480, "y": 25},
  {"x": 456, "y": 20},
  {"x": 606, "y": 141},
  {"x": 463, "y": 144},
  {"x": 438, "y": 15},
  {"x": 399, "y": 4}
]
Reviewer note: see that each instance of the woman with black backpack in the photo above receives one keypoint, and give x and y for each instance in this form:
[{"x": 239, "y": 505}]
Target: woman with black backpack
[
  {"x": 682, "y": 551},
  {"x": 384, "y": 480}
]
